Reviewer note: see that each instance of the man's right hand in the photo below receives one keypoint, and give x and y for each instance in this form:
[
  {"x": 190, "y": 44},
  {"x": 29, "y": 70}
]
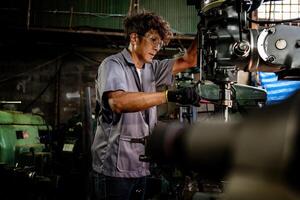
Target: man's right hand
[{"x": 187, "y": 95}]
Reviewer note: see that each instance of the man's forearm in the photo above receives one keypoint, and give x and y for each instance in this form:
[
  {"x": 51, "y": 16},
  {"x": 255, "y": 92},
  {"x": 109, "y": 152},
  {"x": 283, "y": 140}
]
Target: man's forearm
[{"x": 121, "y": 102}]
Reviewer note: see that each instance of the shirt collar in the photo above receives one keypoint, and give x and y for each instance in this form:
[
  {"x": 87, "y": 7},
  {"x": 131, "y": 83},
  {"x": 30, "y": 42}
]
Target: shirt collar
[{"x": 127, "y": 56}]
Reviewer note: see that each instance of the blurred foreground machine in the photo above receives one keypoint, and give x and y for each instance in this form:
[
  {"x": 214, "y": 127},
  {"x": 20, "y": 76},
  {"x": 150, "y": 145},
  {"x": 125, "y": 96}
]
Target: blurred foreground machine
[{"x": 258, "y": 156}]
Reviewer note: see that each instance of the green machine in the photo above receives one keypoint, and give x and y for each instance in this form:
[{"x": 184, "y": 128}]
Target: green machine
[{"x": 20, "y": 136}]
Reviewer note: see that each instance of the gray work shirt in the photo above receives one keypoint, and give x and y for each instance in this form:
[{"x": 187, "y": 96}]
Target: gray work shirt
[{"x": 112, "y": 152}]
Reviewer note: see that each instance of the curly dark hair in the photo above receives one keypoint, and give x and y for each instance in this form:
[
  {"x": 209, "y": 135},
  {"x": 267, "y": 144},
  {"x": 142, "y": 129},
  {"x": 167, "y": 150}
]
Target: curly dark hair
[{"x": 141, "y": 23}]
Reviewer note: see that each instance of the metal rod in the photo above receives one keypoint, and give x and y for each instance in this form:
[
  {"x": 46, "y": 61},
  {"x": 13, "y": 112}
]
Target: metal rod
[
  {"x": 71, "y": 17},
  {"x": 28, "y": 14},
  {"x": 110, "y": 33},
  {"x": 23, "y": 124},
  {"x": 81, "y": 13},
  {"x": 88, "y": 127},
  {"x": 57, "y": 95},
  {"x": 10, "y": 102}
]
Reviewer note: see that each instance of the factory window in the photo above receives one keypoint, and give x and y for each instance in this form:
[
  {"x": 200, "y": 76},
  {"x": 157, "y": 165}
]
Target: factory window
[{"x": 280, "y": 10}]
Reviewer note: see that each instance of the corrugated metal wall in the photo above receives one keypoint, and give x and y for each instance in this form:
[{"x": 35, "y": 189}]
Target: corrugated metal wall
[
  {"x": 108, "y": 14},
  {"x": 183, "y": 18}
]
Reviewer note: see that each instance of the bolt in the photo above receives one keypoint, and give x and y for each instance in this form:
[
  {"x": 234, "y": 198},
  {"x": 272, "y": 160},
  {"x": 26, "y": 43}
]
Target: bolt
[
  {"x": 271, "y": 58},
  {"x": 272, "y": 30},
  {"x": 242, "y": 46}
]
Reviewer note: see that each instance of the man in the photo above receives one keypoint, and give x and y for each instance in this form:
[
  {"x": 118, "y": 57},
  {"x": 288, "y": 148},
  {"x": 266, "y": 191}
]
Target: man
[{"x": 126, "y": 92}]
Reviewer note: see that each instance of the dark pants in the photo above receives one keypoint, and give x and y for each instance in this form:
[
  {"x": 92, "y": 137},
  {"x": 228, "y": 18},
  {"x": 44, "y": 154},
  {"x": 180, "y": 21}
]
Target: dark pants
[{"x": 115, "y": 188}]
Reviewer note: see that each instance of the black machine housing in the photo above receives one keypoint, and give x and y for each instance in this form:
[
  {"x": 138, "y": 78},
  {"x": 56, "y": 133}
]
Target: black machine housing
[{"x": 227, "y": 42}]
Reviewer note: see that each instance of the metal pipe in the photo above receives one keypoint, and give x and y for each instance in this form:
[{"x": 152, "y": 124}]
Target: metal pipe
[
  {"x": 110, "y": 33},
  {"x": 67, "y": 12},
  {"x": 10, "y": 102},
  {"x": 25, "y": 124},
  {"x": 87, "y": 121},
  {"x": 10, "y": 9},
  {"x": 71, "y": 17},
  {"x": 28, "y": 14},
  {"x": 134, "y": 7},
  {"x": 81, "y": 13},
  {"x": 77, "y": 31},
  {"x": 57, "y": 95}
]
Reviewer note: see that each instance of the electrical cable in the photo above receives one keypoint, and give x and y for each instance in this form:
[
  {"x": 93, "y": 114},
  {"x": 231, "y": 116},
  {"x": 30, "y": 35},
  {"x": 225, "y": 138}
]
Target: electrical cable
[
  {"x": 43, "y": 91},
  {"x": 33, "y": 69},
  {"x": 55, "y": 75},
  {"x": 86, "y": 58}
]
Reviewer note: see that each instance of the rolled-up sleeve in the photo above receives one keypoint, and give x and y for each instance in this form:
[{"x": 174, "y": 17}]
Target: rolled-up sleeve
[{"x": 112, "y": 76}]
